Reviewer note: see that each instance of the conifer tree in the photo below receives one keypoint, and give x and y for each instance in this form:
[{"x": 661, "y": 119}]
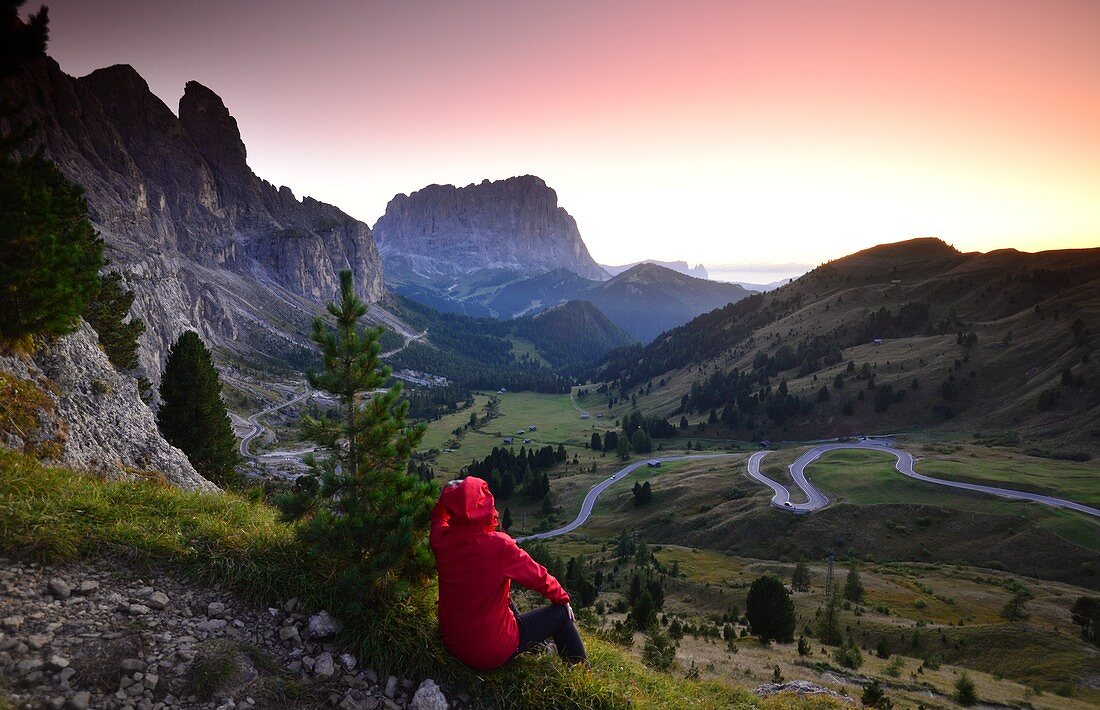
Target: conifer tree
[
  {"x": 506, "y": 519},
  {"x": 49, "y": 252},
  {"x": 853, "y": 587},
  {"x": 622, "y": 449},
  {"x": 107, "y": 312},
  {"x": 770, "y": 610},
  {"x": 192, "y": 415},
  {"x": 800, "y": 578},
  {"x": 364, "y": 513}
]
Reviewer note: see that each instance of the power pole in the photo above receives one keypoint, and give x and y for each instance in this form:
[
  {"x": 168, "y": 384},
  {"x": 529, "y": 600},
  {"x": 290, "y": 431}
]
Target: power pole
[{"x": 829, "y": 577}]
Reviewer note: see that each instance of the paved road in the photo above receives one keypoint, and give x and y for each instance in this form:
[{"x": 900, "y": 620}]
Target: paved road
[
  {"x": 817, "y": 500},
  {"x": 408, "y": 339},
  {"x": 590, "y": 499},
  {"x": 257, "y": 427}
]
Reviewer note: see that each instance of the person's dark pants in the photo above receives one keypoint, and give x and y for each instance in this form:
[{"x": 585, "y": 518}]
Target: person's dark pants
[{"x": 551, "y": 622}]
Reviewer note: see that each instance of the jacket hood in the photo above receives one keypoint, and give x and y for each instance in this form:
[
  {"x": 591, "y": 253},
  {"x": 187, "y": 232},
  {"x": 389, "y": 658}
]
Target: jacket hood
[{"x": 470, "y": 504}]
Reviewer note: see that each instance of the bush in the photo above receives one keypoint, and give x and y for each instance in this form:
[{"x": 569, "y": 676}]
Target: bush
[
  {"x": 848, "y": 655},
  {"x": 659, "y": 651},
  {"x": 874, "y": 697}
]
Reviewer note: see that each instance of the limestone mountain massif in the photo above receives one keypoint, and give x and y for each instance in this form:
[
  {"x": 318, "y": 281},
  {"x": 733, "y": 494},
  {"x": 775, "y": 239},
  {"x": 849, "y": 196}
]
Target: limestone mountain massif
[
  {"x": 202, "y": 241},
  {"x": 443, "y": 232}
]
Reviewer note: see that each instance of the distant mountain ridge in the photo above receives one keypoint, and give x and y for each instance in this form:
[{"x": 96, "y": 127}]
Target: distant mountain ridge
[
  {"x": 444, "y": 232},
  {"x": 202, "y": 241},
  {"x": 645, "y": 300},
  {"x": 698, "y": 271}
]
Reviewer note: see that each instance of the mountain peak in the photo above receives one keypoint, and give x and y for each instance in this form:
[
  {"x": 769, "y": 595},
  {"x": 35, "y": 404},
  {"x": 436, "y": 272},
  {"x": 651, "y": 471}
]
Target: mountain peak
[{"x": 514, "y": 224}]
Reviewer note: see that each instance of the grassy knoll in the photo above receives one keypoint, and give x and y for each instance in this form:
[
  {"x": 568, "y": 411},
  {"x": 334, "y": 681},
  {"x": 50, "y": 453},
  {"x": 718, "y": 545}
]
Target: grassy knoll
[
  {"x": 1074, "y": 481},
  {"x": 868, "y": 478},
  {"x": 55, "y": 515},
  {"x": 556, "y": 420}
]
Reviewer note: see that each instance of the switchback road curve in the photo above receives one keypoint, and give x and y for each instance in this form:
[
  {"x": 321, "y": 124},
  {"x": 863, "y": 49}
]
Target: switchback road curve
[
  {"x": 816, "y": 500},
  {"x": 590, "y": 499}
]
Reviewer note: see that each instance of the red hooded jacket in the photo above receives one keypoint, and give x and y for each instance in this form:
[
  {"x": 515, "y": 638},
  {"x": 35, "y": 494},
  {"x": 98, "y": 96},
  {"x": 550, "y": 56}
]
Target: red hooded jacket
[{"x": 476, "y": 564}]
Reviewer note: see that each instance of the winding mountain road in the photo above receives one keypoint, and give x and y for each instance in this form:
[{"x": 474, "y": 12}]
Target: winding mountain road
[
  {"x": 257, "y": 428},
  {"x": 594, "y": 493},
  {"x": 815, "y": 499}
]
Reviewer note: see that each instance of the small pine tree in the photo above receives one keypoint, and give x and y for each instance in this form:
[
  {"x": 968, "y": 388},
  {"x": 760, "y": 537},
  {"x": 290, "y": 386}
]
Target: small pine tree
[
  {"x": 828, "y": 628},
  {"x": 622, "y": 449},
  {"x": 547, "y": 506},
  {"x": 659, "y": 651},
  {"x": 597, "y": 443},
  {"x": 882, "y": 649},
  {"x": 192, "y": 415},
  {"x": 853, "y": 587},
  {"x": 965, "y": 692},
  {"x": 506, "y": 519},
  {"x": 874, "y": 696},
  {"x": 804, "y": 647},
  {"x": 364, "y": 513},
  {"x": 848, "y": 655},
  {"x": 800, "y": 578},
  {"x": 106, "y": 312}
]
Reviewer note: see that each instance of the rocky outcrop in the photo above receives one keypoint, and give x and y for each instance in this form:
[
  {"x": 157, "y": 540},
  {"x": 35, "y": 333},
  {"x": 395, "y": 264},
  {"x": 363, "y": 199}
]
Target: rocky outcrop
[
  {"x": 95, "y": 635},
  {"x": 92, "y": 418},
  {"x": 514, "y": 224},
  {"x": 202, "y": 241}
]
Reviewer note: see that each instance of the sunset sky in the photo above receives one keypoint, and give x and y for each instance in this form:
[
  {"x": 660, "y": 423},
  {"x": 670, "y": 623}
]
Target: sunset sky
[{"x": 717, "y": 132}]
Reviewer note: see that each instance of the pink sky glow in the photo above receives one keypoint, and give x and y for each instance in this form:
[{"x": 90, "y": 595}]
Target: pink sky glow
[{"x": 728, "y": 132}]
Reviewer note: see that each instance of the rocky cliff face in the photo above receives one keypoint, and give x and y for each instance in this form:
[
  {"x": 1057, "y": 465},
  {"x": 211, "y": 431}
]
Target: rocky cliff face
[
  {"x": 202, "y": 241},
  {"x": 514, "y": 224},
  {"x": 67, "y": 404}
]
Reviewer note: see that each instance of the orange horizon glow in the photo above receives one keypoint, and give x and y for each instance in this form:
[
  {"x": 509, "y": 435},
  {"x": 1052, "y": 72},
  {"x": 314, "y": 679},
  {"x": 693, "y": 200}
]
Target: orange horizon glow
[{"x": 714, "y": 132}]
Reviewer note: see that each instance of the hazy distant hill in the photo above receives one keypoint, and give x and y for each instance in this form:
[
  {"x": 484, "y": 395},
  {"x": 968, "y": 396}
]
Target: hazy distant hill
[
  {"x": 644, "y": 300},
  {"x": 572, "y": 333},
  {"x": 1002, "y": 342},
  {"x": 538, "y": 352},
  {"x": 699, "y": 271}
]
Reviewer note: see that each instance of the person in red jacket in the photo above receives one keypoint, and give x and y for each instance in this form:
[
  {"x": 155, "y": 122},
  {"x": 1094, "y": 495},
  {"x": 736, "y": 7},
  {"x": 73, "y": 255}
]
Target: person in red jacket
[{"x": 476, "y": 565}]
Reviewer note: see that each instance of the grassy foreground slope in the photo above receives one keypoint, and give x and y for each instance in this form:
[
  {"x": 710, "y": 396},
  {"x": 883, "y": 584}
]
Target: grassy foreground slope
[{"x": 56, "y": 515}]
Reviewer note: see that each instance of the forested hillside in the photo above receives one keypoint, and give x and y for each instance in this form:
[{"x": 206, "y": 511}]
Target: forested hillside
[{"x": 897, "y": 336}]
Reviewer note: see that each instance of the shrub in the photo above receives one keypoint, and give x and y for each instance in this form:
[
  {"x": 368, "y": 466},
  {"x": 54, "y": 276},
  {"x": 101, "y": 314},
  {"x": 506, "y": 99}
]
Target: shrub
[
  {"x": 659, "y": 651},
  {"x": 848, "y": 655}
]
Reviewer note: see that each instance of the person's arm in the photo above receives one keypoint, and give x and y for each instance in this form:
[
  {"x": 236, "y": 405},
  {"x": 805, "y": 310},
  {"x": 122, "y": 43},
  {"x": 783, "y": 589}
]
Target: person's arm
[
  {"x": 518, "y": 565},
  {"x": 441, "y": 521}
]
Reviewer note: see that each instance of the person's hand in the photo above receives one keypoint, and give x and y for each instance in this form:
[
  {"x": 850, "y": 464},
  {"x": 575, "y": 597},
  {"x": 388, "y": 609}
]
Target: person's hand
[
  {"x": 454, "y": 483},
  {"x": 572, "y": 616}
]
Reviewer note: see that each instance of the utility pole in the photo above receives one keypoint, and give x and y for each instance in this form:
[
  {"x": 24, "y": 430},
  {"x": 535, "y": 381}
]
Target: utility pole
[{"x": 829, "y": 576}]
